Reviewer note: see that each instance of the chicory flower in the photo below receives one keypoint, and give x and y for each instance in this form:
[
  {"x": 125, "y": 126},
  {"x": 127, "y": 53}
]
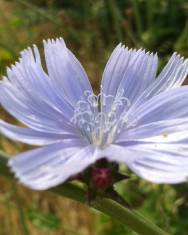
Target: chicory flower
[{"x": 138, "y": 118}]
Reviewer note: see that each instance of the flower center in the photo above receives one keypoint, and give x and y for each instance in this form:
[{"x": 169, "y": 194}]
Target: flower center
[{"x": 101, "y": 117}]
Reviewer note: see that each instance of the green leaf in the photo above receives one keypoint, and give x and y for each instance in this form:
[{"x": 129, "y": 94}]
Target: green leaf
[{"x": 43, "y": 221}]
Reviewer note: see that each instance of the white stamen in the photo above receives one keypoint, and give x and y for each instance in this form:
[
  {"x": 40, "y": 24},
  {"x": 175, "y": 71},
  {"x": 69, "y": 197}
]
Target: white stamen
[{"x": 101, "y": 118}]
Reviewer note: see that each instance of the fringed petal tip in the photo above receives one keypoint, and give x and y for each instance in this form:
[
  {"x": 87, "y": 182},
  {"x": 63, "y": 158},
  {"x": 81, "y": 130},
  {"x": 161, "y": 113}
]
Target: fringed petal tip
[
  {"x": 18, "y": 176},
  {"x": 28, "y": 183},
  {"x": 121, "y": 46},
  {"x": 54, "y": 40},
  {"x": 34, "y": 49},
  {"x": 21, "y": 180},
  {"x": 53, "y": 166}
]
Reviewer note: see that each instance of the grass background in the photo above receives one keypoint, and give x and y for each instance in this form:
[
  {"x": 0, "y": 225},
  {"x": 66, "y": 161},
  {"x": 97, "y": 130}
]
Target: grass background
[{"x": 91, "y": 29}]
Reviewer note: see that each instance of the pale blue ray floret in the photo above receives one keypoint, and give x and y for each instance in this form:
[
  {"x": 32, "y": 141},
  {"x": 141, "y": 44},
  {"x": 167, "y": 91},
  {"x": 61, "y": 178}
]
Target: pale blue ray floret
[{"x": 139, "y": 118}]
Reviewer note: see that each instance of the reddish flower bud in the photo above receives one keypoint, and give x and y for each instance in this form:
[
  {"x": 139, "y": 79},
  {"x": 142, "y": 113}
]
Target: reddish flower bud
[{"x": 102, "y": 178}]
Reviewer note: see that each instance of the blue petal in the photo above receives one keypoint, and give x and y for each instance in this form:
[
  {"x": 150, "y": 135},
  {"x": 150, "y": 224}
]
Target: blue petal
[
  {"x": 168, "y": 105},
  {"x": 30, "y": 97},
  {"x": 162, "y": 163},
  {"x": 158, "y": 163},
  {"x": 67, "y": 74},
  {"x": 28, "y": 76},
  {"x": 161, "y": 131},
  {"x": 52, "y": 165},
  {"x": 29, "y": 136},
  {"x": 39, "y": 117},
  {"x": 129, "y": 70},
  {"x": 172, "y": 76}
]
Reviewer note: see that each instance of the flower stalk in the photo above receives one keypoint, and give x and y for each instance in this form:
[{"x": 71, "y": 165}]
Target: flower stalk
[{"x": 126, "y": 216}]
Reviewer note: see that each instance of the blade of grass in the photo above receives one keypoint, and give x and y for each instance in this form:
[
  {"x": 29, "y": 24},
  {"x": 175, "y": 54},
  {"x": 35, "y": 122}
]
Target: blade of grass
[
  {"x": 116, "y": 18},
  {"x": 20, "y": 210},
  {"x": 4, "y": 170},
  {"x": 29, "y": 5},
  {"x": 138, "y": 18}
]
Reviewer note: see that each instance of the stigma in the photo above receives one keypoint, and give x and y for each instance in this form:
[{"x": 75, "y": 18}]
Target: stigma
[{"x": 101, "y": 117}]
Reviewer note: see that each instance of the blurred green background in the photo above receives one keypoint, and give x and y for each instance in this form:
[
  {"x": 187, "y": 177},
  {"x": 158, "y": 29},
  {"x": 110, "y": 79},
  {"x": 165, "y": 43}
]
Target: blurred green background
[{"x": 91, "y": 29}]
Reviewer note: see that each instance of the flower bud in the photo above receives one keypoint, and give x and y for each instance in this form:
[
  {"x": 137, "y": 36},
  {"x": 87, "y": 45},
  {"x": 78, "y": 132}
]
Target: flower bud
[{"x": 102, "y": 178}]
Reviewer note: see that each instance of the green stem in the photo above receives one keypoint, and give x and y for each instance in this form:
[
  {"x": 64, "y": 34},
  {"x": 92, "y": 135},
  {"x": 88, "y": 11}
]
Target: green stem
[
  {"x": 127, "y": 217},
  {"x": 124, "y": 215}
]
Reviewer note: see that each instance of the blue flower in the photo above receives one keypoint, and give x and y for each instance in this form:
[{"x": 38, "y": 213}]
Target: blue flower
[{"x": 138, "y": 118}]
